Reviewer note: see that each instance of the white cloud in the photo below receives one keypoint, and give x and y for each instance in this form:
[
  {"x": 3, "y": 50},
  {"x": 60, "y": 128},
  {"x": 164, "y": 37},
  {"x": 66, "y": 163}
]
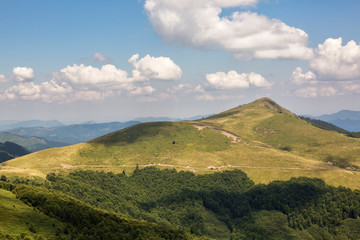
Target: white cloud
[
  {"x": 174, "y": 4},
  {"x": 199, "y": 89},
  {"x": 160, "y": 68},
  {"x": 312, "y": 92},
  {"x": 300, "y": 78},
  {"x": 256, "y": 80},
  {"x": 183, "y": 88},
  {"x": 245, "y": 34},
  {"x": 107, "y": 74},
  {"x": 334, "y": 61},
  {"x": 80, "y": 82},
  {"x": 147, "y": 90},
  {"x": 210, "y": 97},
  {"x": 46, "y": 91},
  {"x": 26, "y": 91},
  {"x": 350, "y": 87},
  {"x": 22, "y": 73},
  {"x": 101, "y": 58},
  {"x": 53, "y": 87},
  {"x": 3, "y": 78},
  {"x": 232, "y": 79}
]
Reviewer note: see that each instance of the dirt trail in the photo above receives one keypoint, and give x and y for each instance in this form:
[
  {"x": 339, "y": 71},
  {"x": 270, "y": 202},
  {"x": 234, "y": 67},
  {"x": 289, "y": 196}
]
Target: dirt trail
[
  {"x": 190, "y": 167},
  {"x": 235, "y": 138}
]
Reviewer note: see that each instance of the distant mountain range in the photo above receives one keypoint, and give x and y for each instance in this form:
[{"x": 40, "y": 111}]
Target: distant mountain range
[
  {"x": 72, "y": 134},
  {"x": 346, "y": 119},
  {"x": 32, "y": 143},
  {"x": 10, "y": 150},
  {"x": 9, "y": 124},
  {"x": 168, "y": 119},
  {"x": 37, "y": 135}
]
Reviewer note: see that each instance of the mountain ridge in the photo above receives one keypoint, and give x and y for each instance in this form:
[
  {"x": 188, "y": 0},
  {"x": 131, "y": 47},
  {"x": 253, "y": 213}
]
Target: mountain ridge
[
  {"x": 262, "y": 138},
  {"x": 347, "y": 119},
  {"x": 74, "y": 133},
  {"x": 31, "y": 143},
  {"x": 10, "y": 150},
  {"x": 8, "y": 124}
]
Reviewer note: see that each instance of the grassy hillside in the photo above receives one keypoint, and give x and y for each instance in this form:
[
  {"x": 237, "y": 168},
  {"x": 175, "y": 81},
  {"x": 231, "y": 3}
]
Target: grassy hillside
[
  {"x": 16, "y": 218},
  {"x": 267, "y": 122},
  {"x": 263, "y": 139}
]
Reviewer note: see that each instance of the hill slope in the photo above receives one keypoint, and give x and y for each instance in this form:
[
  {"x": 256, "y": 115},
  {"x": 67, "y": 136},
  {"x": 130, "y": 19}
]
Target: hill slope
[
  {"x": 18, "y": 218},
  {"x": 52, "y": 213},
  {"x": 222, "y": 205},
  {"x": 32, "y": 143},
  {"x": 263, "y": 139},
  {"x": 10, "y": 150}
]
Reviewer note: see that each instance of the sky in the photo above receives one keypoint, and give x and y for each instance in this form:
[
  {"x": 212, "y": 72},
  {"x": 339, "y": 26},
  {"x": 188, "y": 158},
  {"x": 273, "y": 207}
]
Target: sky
[{"x": 96, "y": 60}]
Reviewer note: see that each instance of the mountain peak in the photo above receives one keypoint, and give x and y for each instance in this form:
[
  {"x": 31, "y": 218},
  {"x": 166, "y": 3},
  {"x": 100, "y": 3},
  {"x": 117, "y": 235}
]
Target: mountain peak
[
  {"x": 265, "y": 99},
  {"x": 259, "y": 106},
  {"x": 268, "y": 103}
]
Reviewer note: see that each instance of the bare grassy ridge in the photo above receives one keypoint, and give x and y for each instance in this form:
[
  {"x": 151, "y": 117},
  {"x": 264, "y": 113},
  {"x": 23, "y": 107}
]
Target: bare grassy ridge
[{"x": 271, "y": 144}]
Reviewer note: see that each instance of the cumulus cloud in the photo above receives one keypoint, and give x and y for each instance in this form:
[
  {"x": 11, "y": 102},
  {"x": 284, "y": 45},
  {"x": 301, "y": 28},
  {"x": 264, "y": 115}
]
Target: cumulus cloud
[
  {"x": 3, "y": 78},
  {"x": 81, "y": 82},
  {"x": 147, "y": 90},
  {"x": 335, "y": 61},
  {"x": 101, "y": 58},
  {"x": 199, "y": 89},
  {"x": 21, "y": 74},
  {"x": 107, "y": 74},
  {"x": 180, "y": 88},
  {"x": 173, "y": 93},
  {"x": 300, "y": 78},
  {"x": 26, "y": 91},
  {"x": 232, "y": 79},
  {"x": 160, "y": 68},
  {"x": 245, "y": 34},
  {"x": 46, "y": 91},
  {"x": 312, "y": 92}
]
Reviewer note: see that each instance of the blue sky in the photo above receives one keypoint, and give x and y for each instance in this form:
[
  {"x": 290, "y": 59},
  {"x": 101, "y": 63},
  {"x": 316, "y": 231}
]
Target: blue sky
[{"x": 191, "y": 59}]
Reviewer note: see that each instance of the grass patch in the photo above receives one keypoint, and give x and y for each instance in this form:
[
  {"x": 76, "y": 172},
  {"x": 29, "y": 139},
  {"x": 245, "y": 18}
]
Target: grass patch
[{"x": 16, "y": 217}]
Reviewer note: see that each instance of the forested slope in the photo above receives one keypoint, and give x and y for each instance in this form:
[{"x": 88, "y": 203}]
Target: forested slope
[
  {"x": 81, "y": 221},
  {"x": 222, "y": 205}
]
